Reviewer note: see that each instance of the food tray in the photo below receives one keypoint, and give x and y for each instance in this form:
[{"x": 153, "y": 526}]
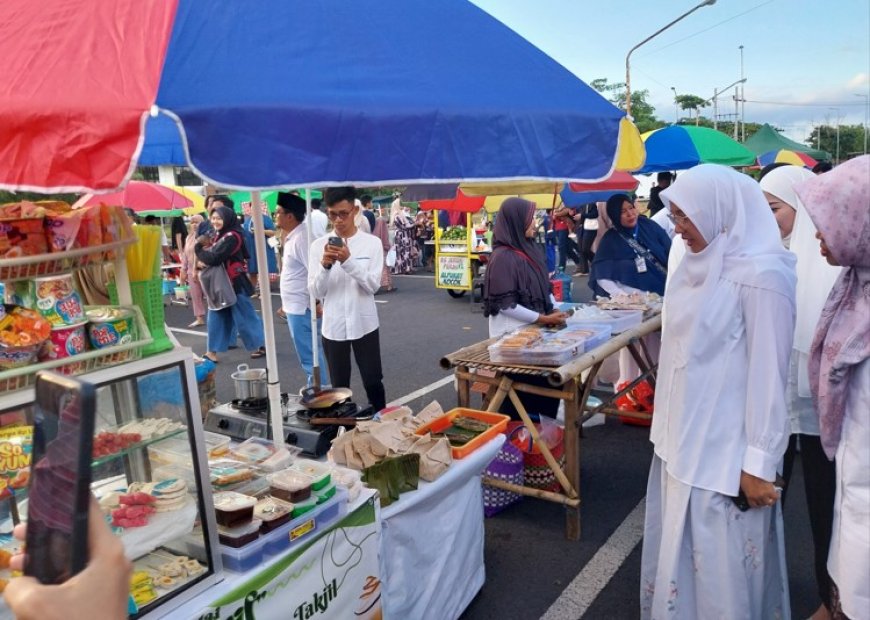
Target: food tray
[
  {"x": 242, "y": 559},
  {"x": 19, "y": 378},
  {"x": 54, "y": 263},
  {"x": 497, "y": 420},
  {"x": 555, "y": 348}
]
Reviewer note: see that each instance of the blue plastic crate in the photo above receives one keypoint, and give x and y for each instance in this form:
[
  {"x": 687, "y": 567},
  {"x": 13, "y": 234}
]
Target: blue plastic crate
[{"x": 242, "y": 559}]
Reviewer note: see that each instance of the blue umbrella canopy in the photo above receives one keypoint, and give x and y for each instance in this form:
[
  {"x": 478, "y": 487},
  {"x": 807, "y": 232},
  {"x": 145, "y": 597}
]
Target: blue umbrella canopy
[{"x": 450, "y": 94}]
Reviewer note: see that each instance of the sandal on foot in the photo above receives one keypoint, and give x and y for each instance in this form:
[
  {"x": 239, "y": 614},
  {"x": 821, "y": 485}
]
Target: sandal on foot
[
  {"x": 197, "y": 323},
  {"x": 258, "y": 353},
  {"x": 208, "y": 357}
]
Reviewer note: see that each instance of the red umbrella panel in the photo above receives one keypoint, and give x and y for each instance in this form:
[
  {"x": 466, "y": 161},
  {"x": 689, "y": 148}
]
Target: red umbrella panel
[
  {"x": 460, "y": 203},
  {"x": 140, "y": 196}
]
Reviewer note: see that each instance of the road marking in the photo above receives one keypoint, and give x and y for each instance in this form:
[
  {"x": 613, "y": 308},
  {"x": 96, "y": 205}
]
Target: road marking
[
  {"x": 409, "y": 275},
  {"x": 576, "y": 599},
  {"x": 190, "y": 332},
  {"x": 422, "y": 391}
]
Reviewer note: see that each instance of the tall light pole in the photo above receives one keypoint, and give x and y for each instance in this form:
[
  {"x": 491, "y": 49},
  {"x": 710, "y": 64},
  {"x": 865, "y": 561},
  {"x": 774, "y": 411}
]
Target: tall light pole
[
  {"x": 715, "y": 100},
  {"x": 742, "y": 99},
  {"x": 837, "y": 110},
  {"x": 650, "y": 37},
  {"x": 676, "y": 108},
  {"x": 866, "y": 117}
]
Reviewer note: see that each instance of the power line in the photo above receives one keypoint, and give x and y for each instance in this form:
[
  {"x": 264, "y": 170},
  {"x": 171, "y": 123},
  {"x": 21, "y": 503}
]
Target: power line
[
  {"x": 806, "y": 105},
  {"x": 716, "y": 25}
]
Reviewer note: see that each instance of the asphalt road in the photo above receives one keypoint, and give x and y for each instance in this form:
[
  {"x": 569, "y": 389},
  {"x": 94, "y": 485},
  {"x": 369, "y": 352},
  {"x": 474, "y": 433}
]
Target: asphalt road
[{"x": 529, "y": 562}]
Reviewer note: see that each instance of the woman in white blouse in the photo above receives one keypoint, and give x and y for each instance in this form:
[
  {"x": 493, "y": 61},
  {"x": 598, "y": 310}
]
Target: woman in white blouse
[{"x": 712, "y": 538}]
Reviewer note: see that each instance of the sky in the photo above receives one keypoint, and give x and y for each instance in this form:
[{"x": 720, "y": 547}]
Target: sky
[{"x": 801, "y": 58}]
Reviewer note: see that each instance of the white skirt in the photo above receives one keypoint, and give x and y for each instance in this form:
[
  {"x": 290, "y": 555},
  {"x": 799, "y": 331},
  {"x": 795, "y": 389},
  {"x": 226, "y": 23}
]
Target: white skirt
[{"x": 705, "y": 559}]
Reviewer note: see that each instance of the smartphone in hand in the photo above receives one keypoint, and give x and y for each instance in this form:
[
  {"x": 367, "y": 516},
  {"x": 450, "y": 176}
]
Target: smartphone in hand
[
  {"x": 337, "y": 242},
  {"x": 60, "y": 479}
]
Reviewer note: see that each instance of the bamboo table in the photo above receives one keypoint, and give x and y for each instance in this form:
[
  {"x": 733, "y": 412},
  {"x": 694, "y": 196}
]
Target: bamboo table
[{"x": 568, "y": 384}]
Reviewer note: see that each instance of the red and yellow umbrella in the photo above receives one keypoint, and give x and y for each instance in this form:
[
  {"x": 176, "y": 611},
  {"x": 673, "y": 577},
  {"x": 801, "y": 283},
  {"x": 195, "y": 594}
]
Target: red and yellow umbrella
[{"x": 785, "y": 156}]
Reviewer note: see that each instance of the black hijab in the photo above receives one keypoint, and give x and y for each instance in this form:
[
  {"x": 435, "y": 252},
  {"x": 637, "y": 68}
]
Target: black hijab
[
  {"x": 231, "y": 224},
  {"x": 517, "y": 270}
]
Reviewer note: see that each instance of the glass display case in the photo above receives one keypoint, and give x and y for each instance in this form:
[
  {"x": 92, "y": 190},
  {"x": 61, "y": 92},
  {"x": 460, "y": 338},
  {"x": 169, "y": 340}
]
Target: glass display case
[{"x": 148, "y": 468}]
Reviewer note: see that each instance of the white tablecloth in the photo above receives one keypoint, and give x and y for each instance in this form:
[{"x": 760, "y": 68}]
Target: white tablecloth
[{"x": 432, "y": 543}]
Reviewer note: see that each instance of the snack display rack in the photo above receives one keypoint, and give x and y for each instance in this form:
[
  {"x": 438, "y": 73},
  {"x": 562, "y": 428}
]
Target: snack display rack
[
  {"x": 54, "y": 263},
  {"x": 175, "y": 553}
]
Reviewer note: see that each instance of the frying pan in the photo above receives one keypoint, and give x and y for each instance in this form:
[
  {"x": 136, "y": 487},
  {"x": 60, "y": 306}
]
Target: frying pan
[{"x": 313, "y": 398}]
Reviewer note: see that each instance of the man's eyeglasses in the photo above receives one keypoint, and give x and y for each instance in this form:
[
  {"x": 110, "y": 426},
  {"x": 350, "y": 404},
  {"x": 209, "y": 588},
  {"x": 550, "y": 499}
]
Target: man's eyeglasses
[
  {"x": 678, "y": 219},
  {"x": 338, "y": 215}
]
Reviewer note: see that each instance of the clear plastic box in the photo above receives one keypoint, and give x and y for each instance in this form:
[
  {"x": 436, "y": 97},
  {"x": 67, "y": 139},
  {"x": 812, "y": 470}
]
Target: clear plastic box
[
  {"x": 242, "y": 559},
  {"x": 176, "y": 450},
  {"x": 320, "y": 473},
  {"x": 619, "y": 320},
  {"x": 554, "y": 348},
  {"x": 304, "y": 527}
]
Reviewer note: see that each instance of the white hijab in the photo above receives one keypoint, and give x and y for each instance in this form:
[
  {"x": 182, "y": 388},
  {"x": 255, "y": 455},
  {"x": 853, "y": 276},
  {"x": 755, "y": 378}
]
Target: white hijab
[
  {"x": 815, "y": 277},
  {"x": 744, "y": 246}
]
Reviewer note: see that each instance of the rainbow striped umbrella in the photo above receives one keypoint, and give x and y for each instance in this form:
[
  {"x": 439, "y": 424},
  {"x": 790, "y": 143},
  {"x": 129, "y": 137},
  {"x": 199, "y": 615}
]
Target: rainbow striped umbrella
[{"x": 785, "y": 156}]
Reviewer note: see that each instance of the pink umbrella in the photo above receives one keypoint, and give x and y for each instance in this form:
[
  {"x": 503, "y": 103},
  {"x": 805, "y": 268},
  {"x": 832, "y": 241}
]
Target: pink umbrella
[{"x": 139, "y": 196}]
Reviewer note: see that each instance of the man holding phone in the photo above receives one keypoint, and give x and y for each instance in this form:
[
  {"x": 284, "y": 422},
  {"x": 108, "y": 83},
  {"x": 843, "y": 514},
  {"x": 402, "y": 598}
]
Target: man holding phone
[{"x": 345, "y": 271}]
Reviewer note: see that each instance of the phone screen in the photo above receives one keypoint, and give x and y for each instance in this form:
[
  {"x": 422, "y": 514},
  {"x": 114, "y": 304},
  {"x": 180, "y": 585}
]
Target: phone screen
[{"x": 57, "y": 513}]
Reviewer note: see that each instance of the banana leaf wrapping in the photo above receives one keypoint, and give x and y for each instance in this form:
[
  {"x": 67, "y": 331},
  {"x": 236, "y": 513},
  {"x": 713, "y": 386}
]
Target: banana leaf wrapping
[{"x": 393, "y": 476}]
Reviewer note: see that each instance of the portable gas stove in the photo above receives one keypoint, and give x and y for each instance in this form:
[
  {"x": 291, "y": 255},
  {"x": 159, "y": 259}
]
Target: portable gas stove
[{"x": 249, "y": 418}]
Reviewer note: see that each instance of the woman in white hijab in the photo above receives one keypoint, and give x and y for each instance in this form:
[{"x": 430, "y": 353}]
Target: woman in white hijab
[
  {"x": 712, "y": 544},
  {"x": 815, "y": 278}
]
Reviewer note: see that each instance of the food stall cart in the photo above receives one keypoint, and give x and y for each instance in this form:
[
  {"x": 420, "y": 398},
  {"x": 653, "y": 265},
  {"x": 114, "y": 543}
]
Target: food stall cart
[{"x": 573, "y": 383}]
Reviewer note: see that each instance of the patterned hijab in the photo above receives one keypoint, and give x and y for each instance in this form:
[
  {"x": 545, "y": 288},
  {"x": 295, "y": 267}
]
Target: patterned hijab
[{"x": 838, "y": 202}]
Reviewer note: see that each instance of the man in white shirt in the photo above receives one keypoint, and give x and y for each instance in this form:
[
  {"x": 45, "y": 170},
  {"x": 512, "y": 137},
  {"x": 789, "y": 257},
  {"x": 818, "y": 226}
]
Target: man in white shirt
[
  {"x": 290, "y": 218},
  {"x": 345, "y": 271},
  {"x": 319, "y": 221}
]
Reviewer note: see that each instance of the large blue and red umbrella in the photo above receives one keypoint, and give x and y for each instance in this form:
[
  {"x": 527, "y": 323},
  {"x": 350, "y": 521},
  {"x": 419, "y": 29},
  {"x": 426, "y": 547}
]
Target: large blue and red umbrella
[{"x": 261, "y": 102}]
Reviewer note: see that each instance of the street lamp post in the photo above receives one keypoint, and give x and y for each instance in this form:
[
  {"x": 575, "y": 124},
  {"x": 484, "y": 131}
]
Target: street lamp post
[
  {"x": 866, "y": 117},
  {"x": 742, "y": 100},
  {"x": 650, "y": 37},
  {"x": 837, "y": 110},
  {"x": 715, "y": 101},
  {"x": 676, "y": 107}
]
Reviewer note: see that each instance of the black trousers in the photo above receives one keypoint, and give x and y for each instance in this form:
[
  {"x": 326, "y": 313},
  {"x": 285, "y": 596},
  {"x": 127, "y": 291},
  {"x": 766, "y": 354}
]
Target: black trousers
[
  {"x": 367, "y": 353},
  {"x": 586, "y": 253},
  {"x": 819, "y": 487}
]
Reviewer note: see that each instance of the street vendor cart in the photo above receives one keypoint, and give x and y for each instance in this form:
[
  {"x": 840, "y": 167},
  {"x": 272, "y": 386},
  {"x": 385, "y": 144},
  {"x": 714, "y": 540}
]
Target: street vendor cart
[{"x": 572, "y": 383}]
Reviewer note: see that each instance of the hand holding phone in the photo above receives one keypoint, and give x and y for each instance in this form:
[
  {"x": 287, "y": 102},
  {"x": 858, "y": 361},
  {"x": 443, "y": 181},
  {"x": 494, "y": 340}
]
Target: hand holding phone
[
  {"x": 60, "y": 478},
  {"x": 100, "y": 591}
]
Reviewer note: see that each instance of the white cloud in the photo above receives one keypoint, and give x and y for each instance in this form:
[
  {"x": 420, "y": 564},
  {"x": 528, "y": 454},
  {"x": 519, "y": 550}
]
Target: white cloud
[{"x": 860, "y": 79}]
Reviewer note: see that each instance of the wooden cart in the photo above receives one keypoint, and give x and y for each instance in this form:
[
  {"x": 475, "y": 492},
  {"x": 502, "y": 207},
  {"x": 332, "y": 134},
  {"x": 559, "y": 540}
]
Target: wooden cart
[{"x": 571, "y": 383}]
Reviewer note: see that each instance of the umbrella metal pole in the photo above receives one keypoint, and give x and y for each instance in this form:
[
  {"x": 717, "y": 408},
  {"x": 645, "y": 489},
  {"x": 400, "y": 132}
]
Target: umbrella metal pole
[
  {"x": 276, "y": 417},
  {"x": 312, "y": 302}
]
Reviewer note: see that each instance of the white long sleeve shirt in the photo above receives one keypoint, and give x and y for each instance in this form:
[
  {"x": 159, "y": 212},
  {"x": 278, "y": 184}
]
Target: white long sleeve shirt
[
  {"x": 348, "y": 289},
  {"x": 294, "y": 272},
  {"x": 721, "y": 407}
]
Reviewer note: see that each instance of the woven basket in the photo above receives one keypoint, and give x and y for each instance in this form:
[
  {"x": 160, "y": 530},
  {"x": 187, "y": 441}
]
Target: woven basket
[
  {"x": 537, "y": 473},
  {"x": 508, "y": 467}
]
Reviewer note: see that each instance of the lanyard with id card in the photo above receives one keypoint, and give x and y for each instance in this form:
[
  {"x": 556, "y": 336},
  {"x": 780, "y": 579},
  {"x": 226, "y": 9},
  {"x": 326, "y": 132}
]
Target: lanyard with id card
[{"x": 640, "y": 264}]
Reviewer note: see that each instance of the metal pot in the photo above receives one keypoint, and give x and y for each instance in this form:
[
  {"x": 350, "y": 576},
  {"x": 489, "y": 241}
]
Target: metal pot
[{"x": 250, "y": 382}]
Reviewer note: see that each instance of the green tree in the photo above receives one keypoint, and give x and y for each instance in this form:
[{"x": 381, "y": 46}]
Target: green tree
[
  {"x": 691, "y": 102},
  {"x": 824, "y": 137},
  {"x": 642, "y": 112}
]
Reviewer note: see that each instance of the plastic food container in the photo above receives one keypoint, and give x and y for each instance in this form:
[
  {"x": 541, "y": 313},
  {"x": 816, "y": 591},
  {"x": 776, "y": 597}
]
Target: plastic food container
[
  {"x": 57, "y": 300},
  {"x": 176, "y": 450},
  {"x": 273, "y": 512},
  {"x": 109, "y": 327},
  {"x": 225, "y": 473},
  {"x": 306, "y": 526},
  {"x": 16, "y": 357},
  {"x": 497, "y": 421},
  {"x": 319, "y": 472},
  {"x": 232, "y": 509},
  {"x": 291, "y": 486},
  {"x": 254, "y": 450},
  {"x": 240, "y": 536},
  {"x": 618, "y": 320},
  {"x": 325, "y": 493},
  {"x": 242, "y": 559},
  {"x": 307, "y": 505}
]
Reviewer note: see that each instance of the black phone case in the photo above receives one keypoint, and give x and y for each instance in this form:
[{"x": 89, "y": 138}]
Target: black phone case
[{"x": 82, "y": 492}]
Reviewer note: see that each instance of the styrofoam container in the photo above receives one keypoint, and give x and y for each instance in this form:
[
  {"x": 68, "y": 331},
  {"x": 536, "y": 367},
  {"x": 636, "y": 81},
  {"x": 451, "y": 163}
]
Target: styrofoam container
[{"x": 302, "y": 528}]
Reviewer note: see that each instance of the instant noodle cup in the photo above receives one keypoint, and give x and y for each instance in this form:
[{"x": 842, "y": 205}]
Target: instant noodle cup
[
  {"x": 22, "y": 327},
  {"x": 58, "y": 301},
  {"x": 65, "y": 341},
  {"x": 16, "y": 357},
  {"x": 108, "y": 327}
]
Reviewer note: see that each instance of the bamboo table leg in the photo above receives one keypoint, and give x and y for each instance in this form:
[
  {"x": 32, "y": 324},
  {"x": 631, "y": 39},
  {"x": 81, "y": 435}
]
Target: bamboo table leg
[
  {"x": 463, "y": 388},
  {"x": 572, "y": 459}
]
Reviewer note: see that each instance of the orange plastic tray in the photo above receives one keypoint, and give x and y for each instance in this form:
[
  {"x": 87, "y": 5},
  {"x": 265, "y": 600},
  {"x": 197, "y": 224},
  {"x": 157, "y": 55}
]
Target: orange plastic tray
[{"x": 498, "y": 421}]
